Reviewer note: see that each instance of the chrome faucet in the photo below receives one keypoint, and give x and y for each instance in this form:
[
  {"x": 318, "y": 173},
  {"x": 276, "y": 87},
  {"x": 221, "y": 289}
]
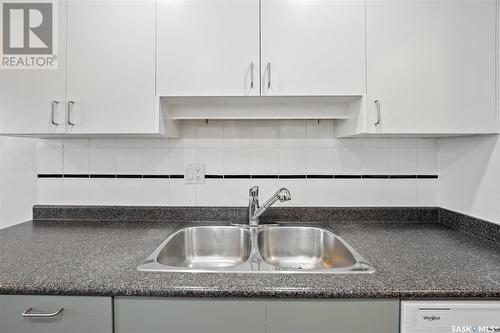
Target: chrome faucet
[{"x": 254, "y": 211}]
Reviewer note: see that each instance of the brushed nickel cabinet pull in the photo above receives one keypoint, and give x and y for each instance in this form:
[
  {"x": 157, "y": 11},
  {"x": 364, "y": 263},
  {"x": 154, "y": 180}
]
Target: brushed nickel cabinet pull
[{"x": 29, "y": 314}]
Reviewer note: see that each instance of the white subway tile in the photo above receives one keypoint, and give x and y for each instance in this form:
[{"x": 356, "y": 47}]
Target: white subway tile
[
  {"x": 102, "y": 142},
  {"x": 427, "y": 143},
  {"x": 50, "y": 191},
  {"x": 403, "y": 142},
  {"x": 128, "y": 160},
  {"x": 102, "y": 160},
  {"x": 320, "y": 133},
  {"x": 265, "y": 133},
  {"x": 265, "y": 160},
  {"x": 292, "y": 133},
  {"x": 347, "y": 160},
  {"x": 212, "y": 158},
  {"x": 376, "y": 142},
  {"x": 347, "y": 192},
  {"x": 76, "y": 191},
  {"x": 178, "y": 157},
  {"x": 427, "y": 161},
  {"x": 237, "y": 133},
  {"x": 102, "y": 191},
  {"x": 403, "y": 161},
  {"x": 155, "y": 160},
  {"x": 128, "y": 191},
  {"x": 155, "y": 191},
  {"x": 237, "y": 160},
  {"x": 375, "y": 192},
  {"x": 319, "y": 160},
  {"x": 427, "y": 192},
  {"x": 76, "y": 160},
  {"x": 210, "y": 134},
  {"x": 349, "y": 143},
  {"x": 181, "y": 194},
  {"x": 320, "y": 192},
  {"x": 375, "y": 161},
  {"x": 292, "y": 160},
  {"x": 402, "y": 192},
  {"x": 210, "y": 193},
  {"x": 76, "y": 143},
  {"x": 187, "y": 136},
  {"x": 49, "y": 158},
  {"x": 128, "y": 142},
  {"x": 236, "y": 192}
]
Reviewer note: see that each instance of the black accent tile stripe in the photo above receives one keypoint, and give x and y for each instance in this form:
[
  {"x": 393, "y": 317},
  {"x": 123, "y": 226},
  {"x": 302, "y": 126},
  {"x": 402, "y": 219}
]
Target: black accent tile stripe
[
  {"x": 50, "y": 175},
  {"x": 214, "y": 176},
  {"x": 403, "y": 176},
  {"x": 427, "y": 176},
  {"x": 265, "y": 176},
  {"x": 292, "y": 176},
  {"x": 375, "y": 176},
  {"x": 319, "y": 176},
  {"x": 102, "y": 176},
  {"x": 76, "y": 176},
  {"x": 347, "y": 176}
]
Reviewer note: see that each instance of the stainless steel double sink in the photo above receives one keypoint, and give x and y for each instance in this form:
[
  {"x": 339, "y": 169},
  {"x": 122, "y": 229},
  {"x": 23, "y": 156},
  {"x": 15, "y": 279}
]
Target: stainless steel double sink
[{"x": 261, "y": 249}]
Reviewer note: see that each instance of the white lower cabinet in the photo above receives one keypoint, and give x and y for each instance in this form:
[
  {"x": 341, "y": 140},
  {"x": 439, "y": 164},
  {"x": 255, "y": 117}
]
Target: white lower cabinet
[
  {"x": 42, "y": 314},
  {"x": 152, "y": 315}
]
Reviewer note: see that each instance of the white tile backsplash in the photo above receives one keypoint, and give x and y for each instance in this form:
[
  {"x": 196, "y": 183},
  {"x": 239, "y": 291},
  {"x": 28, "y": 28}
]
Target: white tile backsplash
[{"x": 259, "y": 147}]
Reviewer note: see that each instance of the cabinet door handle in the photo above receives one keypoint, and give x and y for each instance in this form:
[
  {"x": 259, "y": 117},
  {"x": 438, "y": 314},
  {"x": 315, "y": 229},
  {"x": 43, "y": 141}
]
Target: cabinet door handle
[
  {"x": 53, "y": 106},
  {"x": 70, "y": 107},
  {"x": 377, "y": 107},
  {"x": 28, "y": 314},
  {"x": 251, "y": 74},
  {"x": 268, "y": 70}
]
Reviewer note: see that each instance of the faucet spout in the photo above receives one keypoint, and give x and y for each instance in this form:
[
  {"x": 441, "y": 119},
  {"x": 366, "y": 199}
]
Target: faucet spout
[{"x": 282, "y": 195}]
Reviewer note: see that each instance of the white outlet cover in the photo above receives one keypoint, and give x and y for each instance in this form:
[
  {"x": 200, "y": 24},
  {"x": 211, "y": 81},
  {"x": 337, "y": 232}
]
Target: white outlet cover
[{"x": 194, "y": 174}]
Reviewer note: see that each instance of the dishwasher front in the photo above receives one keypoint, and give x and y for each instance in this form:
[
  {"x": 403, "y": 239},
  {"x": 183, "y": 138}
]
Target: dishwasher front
[{"x": 476, "y": 316}]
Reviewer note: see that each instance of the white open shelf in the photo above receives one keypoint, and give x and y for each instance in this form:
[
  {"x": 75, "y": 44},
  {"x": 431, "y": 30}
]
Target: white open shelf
[{"x": 259, "y": 107}]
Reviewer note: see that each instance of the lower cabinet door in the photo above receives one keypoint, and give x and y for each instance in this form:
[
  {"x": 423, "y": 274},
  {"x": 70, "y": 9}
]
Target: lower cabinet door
[
  {"x": 170, "y": 315},
  {"x": 333, "y": 316},
  {"x": 55, "y": 314}
]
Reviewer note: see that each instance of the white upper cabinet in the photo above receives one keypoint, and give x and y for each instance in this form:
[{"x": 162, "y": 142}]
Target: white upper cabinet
[
  {"x": 313, "y": 47},
  {"x": 111, "y": 67},
  {"x": 208, "y": 48},
  {"x": 431, "y": 66},
  {"x": 32, "y": 100}
]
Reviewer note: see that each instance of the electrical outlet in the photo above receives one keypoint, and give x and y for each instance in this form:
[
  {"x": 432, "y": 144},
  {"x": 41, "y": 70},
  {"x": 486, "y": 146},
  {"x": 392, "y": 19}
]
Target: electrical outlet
[{"x": 195, "y": 174}]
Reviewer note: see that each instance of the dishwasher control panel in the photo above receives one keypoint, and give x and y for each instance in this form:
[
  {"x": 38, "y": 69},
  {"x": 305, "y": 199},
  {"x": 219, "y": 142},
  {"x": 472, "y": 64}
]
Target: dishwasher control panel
[{"x": 450, "y": 316}]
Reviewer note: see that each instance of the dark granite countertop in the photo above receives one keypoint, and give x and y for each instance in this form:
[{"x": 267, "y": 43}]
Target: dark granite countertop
[{"x": 413, "y": 259}]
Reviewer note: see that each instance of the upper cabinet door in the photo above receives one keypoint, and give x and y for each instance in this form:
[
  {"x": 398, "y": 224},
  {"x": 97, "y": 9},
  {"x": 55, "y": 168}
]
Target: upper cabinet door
[
  {"x": 431, "y": 66},
  {"x": 314, "y": 47},
  {"x": 32, "y": 100},
  {"x": 111, "y": 67},
  {"x": 208, "y": 48}
]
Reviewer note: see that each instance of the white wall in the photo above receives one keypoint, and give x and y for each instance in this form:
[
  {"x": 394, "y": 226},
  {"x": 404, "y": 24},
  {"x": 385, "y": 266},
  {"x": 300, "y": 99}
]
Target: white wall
[
  {"x": 241, "y": 148},
  {"x": 18, "y": 184},
  {"x": 469, "y": 171}
]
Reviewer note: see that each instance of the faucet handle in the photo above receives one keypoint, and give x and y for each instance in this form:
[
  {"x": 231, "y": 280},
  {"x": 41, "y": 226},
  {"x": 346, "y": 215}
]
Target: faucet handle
[{"x": 254, "y": 192}]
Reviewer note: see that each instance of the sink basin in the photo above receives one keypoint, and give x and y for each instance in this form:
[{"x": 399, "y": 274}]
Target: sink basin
[
  {"x": 303, "y": 248},
  {"x": 206, "y": 247},
  {"x": 262, "y": 249}
]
